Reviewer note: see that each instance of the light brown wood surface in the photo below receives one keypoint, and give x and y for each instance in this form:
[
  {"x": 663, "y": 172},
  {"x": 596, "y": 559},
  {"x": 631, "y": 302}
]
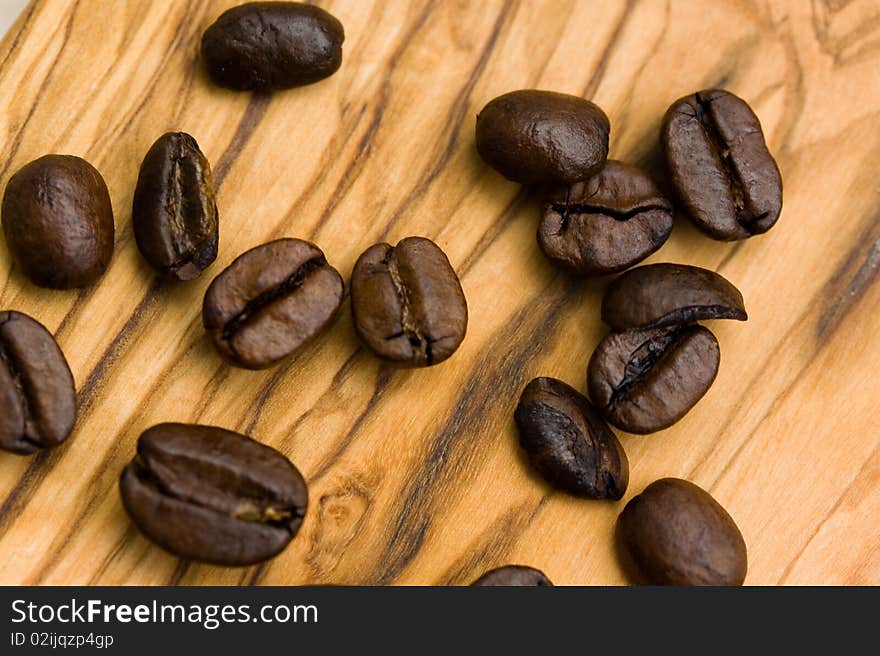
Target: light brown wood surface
[{"x": 415, "y": 475}]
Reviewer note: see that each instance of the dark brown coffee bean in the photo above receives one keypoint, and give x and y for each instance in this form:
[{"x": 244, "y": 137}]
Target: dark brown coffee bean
[
  {"x": 174, "y": 211},
  {"x": 670, "y": 294},
  {"x": 535, "y": 137},
  {"x": 407, "y": 302},
  {"x": 58, "y": 221},
  {"x": 677, "y": 534},
  {"x": 606, "y": 224},
  {"x": 720, "y": 166},
  {"x": 513, "y": 575},
  {"x": 37, "y": 396},
  {"x": 270, "y": 302},
  {"x": 263, "y": 46},
  {"x": 646, "y": 380},
  {"x": 568, "y": 443},
  {"x": 212, "y": 495}
]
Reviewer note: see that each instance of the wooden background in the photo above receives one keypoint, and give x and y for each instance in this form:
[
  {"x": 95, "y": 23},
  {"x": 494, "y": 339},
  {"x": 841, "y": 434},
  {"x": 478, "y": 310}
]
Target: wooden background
[{"x": 415, "y": 476}]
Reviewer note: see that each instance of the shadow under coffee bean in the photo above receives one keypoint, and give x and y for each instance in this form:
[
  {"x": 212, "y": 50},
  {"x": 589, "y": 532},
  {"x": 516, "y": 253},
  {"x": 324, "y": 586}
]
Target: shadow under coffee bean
[{"x": 212, "y": 495}]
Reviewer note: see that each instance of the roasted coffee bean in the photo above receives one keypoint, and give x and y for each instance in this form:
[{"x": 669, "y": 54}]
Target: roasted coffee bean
[
  {"x": 174, "y": 212},
  {"x": 58, "y": 221},
  {"x": 263, "y": 46},
  {"x": 513, "y": 575},
  {"x": 37, "y": 396},
  {"x": 568, "y": 443},
  {"x": 670, "y": 294},
  {"x": 270, "y": 301},
  {"x": 676, "y": 534},
  {"x": 212, "y": 495},
  {"x": 407, "y": 302},
  {"x": 643, "y": 381},
  {"x": 535, "y": 137},
  {"x": 605, "y": 224},
  {"x": 718, "y": 161}
]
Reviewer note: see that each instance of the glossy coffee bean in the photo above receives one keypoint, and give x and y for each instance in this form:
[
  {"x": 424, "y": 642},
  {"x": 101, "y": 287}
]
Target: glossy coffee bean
[
  {"x": 212, "y": 495},
  {"x": 407, "y": 302},
  {"x": 264, "y": 46},
  {"x": 568, "y": 443},
  {"x": 670, "y": 294},
  {"x": 718, "y": 161},
  {"x": 174, "y": 211},
  {"x": 513, "y": 575},
  {"x": 643, "y": 381},
  {"x": 270, "y": 302},
  {"x": 677, "y": 534},
  {"x": 58, "y": 222},
  {"x": 534, "y": 137},
  {"x": 37, "y": 396},
  {"x": 605, "y": 224}
]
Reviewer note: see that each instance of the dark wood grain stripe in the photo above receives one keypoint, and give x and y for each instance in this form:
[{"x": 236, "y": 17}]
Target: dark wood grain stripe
[
  {"x": 23, "y": 23},
  {"x": 492, "y": 547},
  {"x": 602, "y": 64},
  {"x": 498, "y": 377},
  {"x": 253, "y": 115},
  {"x": 488, "y": 238},
  {"x": 858, "y": 272},
  {"x": 364, "y": 147},
  {"x": 185, "y": 29},
  {"x": 453, "y": 124},
  {"x": 19, "y": 135}
]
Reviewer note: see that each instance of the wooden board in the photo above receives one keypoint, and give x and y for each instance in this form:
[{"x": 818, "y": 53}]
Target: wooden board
[{"x": 415, "y": 476}]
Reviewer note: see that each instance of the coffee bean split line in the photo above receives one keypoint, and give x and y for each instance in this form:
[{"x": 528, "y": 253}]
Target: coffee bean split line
[{"x": 289, "y": 286}]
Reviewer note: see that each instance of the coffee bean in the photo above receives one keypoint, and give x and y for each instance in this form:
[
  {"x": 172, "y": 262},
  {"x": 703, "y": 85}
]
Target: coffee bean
[
  {"x": 720, "y": 166},
  {"x": 670, "y": 294},
  {"x": 535, "y": 137},
  {"x": 677, "y": 534},
  {"x": 263, "y": 46},
  {"x": 568, "y": 443},
  {"x": 37, "y": 396},
  {"x": 605, "y": 224},
  {"x": 212, "y": 495},
  {"x": 407, "y": 302},
  {"x": 513, "y": 575},
  {"x": 174, "y": 211},
  {"x": 646, "y": 380},
  {"x": 270, "y": 301},
  {"x": 58, "y": 221}
]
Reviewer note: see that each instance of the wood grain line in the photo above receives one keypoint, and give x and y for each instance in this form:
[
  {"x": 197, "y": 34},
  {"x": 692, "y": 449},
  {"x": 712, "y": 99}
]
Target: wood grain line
[
  {"x": 453, "y": 123},
  {"x": 250, "y": 120},
  {"x": 492, "y": 547},
  {"x": 44, "y": 85},
  {"x": 20, "y": 28},
  {"x": 831, "y": 512},
  {"x": 499, "y": 372}
]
